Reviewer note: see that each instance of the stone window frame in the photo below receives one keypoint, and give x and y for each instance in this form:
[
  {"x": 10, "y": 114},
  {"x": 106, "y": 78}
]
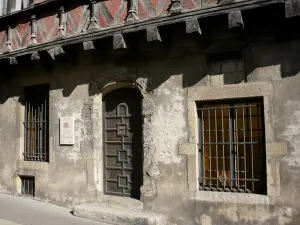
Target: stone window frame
[
  {"x": 40, "y": 170},
  {"x": 273, "y": 149}
]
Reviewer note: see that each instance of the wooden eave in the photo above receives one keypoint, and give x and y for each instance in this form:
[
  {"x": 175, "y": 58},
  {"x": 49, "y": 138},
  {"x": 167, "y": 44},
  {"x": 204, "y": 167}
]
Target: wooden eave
[{"x": 132, "y": 27}]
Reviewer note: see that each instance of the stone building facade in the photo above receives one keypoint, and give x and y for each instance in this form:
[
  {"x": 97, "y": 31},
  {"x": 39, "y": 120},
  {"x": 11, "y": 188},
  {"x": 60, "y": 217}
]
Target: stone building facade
[{"x": 134, "y": 91}]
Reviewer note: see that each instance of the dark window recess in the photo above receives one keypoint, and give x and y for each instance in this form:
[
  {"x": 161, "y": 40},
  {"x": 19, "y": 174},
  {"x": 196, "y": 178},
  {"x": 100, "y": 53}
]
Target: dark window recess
[
  {"x": 7, "y": 6},
  {"x": 232, "y": 146},
  {"x": 36, "y": 123},
  {"x": 27, "y": 185},
  {"x": 224, "y": 56}
]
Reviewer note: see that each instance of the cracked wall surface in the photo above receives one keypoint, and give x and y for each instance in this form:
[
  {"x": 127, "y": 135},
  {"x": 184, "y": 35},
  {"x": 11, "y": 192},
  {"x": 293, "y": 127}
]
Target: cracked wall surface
[{"x": 170, "y": 88}]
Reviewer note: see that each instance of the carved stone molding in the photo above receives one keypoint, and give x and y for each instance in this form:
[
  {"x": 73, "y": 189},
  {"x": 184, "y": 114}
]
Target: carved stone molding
[
  {"x": 62, "y": 22},
  {"x": 33, "y": 25},
  {"x": 93, "y": 19}
]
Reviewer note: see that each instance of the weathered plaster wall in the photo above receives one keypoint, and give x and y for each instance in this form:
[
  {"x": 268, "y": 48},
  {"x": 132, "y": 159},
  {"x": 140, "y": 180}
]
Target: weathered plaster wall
[{"x": 74, "y": 173}]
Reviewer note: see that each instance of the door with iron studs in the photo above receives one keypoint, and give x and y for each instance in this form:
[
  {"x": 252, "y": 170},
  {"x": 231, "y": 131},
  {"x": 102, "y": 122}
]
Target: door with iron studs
[{"x": 122, "y": 142}]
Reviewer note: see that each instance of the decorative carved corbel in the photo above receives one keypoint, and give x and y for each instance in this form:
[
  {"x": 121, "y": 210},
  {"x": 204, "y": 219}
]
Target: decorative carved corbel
[
  {"x": 153, "y": 34},
  {"x": 51, "y": 53},
  {"x": 88, "y": 45},
  {"x": 93, "y": 22},
  {"x": 132, "y": 12},
  {"x": 35, "y": 56},
  {"x": 12, "y": 61},
  {"x": 192, "y": 26},
  {"x": 235, "y": 19},
  {"x": 119, "y": 42},
  {"x": 62, "y": 22},
  {"x": 176, "y": 7},
  {"x": 58, "y": 50},
  {"x": 33, "y": 40},
  {"x": 8, "y": 39},
  {"x": 292, "y": 8}
]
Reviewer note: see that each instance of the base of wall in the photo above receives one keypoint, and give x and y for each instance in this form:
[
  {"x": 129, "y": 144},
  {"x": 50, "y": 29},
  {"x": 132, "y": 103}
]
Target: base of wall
[{"x": 118, "y": 215}]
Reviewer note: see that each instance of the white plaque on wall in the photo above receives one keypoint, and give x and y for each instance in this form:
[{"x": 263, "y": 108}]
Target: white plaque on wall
[{"x": 66, "y": 130}]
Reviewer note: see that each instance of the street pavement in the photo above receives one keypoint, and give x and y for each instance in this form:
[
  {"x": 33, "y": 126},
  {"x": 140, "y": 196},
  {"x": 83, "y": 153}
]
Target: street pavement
[{"x": 23, "y": 211}]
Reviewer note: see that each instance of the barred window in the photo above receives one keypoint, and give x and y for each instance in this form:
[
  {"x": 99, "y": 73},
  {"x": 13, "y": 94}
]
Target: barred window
[
  {"x": 36, "y": 123},
  {"x": 27, "y": 185},
  {"x": 232, "y": 146}
]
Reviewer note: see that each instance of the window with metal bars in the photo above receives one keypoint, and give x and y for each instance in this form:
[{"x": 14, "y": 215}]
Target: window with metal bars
[
  {"x": 27, "y": 185},
  {"x": 232, "y": 146},
  {"x": 36, "y": 123}
]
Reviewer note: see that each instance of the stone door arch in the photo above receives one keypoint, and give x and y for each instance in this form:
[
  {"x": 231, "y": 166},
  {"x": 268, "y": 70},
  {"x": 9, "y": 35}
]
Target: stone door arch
[{"x": 122, "y": 143}]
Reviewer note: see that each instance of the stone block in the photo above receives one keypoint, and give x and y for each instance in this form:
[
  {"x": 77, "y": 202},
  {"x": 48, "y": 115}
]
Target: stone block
[
  {"x": 277, "y": 148},
  {"x": 148, "y": 106},
  {"x": 187, "y": 149},
  {"x": 118, "y": 215}
]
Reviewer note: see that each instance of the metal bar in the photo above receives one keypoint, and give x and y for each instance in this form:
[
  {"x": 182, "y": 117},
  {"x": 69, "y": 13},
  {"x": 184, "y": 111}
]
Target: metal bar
[
  {"x": 230, "y": 123},
  {"x": 227, "y": 130},
  {"x": 38, "y": 125},
  {"x": 223, "y": 146},
  {"x": 245, "y": 155},
  {"x": 200, "y": 146},
  {"x": 236, "y": 148},
  {"x": 252, "y": 163},
  {"x": 209, "y": 147},
  {"x": 35, "y": 135},
  {"x": 32, "y": 133},
  {"x": 46, "y": 149},
  {"x": 203, "y": 149},
  {"x": 26, "y": 130},
  {"x": 231, "y": 143},
  {"x": 230, "y": 107},
  {"x": 42, "y": 132},
  {"x": 232, "y": 179},
  {"x": 217, "y": 160}
]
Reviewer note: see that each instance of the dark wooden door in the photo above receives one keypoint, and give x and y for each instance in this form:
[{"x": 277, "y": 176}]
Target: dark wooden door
[{"x": 123, "y": 159}]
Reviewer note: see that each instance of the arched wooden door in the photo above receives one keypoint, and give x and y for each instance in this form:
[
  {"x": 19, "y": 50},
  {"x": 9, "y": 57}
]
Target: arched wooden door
[{"x": 122, "y": 134}]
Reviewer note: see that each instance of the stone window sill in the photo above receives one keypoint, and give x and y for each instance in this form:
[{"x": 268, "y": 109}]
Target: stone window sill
[
  {"x": 29, "y": 165},
  {"x": 237, "y": 198}
]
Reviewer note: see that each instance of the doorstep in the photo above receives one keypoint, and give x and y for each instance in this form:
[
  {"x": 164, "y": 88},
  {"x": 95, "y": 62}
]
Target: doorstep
[{"x": 118, "y": 215}]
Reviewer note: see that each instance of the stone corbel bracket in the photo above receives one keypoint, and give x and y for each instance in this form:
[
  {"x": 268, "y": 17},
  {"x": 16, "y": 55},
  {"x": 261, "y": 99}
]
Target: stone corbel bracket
[
  {"x": 192, "y": 26},
  {"x": 176, "y": 7},
  {"x": 235, "y": 20},
  {"x": 292, "y": 8}
]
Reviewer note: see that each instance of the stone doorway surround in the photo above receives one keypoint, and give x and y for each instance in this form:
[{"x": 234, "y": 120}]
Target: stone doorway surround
[
  {"x": 122, "y": 143},
  {"x": 116, "y": 209}
]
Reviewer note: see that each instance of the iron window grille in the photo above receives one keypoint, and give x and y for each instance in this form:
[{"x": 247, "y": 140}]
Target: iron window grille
[
  {"x": 232, "y": 146},
  {"x": 36, "y": 123},
  {"x": 27, "y": 185}
]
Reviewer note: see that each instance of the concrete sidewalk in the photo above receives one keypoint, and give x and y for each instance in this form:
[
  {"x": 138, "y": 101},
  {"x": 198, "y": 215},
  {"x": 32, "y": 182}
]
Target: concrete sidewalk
[{"x": 22, "y": 211}]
